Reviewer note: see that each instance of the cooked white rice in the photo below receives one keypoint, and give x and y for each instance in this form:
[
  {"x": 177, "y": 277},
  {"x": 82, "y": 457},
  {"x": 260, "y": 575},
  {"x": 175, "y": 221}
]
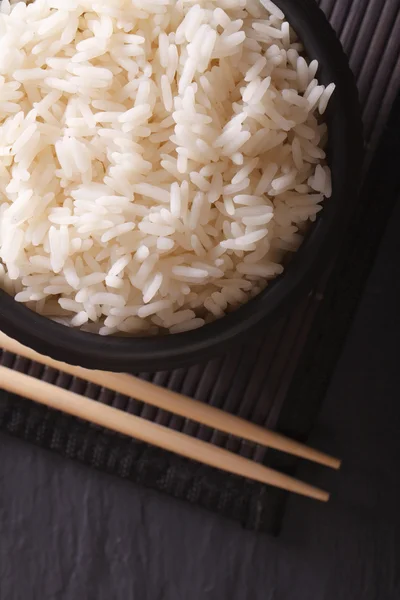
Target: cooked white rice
[{"x": 158, "y": 158}]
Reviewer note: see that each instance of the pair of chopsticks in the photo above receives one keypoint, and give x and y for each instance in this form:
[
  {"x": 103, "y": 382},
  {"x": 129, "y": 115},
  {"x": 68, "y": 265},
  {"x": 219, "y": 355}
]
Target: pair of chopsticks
[{"x": 158, "y": 435}]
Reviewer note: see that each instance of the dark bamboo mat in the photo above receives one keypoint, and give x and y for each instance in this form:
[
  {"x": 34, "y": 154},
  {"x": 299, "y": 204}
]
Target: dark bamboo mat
[{"x": 279, "y": 379}]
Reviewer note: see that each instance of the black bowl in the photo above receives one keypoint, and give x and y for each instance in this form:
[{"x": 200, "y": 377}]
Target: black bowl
[{"x": 345, "y": 154}]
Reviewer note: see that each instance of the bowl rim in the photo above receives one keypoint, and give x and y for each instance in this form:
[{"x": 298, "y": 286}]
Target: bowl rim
[{"x": 163, "y": 352}]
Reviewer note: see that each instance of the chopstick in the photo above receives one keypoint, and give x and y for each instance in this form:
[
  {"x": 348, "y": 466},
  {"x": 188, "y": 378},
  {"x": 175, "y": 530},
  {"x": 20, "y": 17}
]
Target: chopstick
[
  {"x": 131, "y": 386},
  {"x": 147, "y": 431}
]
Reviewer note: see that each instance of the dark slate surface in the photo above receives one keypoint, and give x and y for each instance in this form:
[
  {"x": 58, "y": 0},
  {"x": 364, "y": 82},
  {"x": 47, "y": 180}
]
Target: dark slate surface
[
  {"x": 70, "y": 533},
  {"x": 253, "y": 381}
]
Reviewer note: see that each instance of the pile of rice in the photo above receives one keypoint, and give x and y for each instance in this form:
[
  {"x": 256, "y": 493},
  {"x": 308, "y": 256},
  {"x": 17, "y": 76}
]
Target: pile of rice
[{"x": 158, "y": 158}]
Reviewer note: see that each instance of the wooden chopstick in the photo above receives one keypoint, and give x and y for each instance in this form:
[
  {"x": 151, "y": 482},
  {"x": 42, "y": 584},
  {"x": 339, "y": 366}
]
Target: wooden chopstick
[
  {"x": 131, "y": 386},
  {"x": 141, "y": 429}
]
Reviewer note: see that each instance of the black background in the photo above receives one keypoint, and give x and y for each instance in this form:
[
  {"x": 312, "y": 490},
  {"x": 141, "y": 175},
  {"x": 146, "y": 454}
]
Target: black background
[{"x": 69, "y": 532}]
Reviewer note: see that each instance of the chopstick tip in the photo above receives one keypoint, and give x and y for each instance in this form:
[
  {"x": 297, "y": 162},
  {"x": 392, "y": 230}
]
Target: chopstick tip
[
  {"x": 330, "y": 461},
  {"x": 323, "y": 496},
  {"x": 337, "y": 464}
]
